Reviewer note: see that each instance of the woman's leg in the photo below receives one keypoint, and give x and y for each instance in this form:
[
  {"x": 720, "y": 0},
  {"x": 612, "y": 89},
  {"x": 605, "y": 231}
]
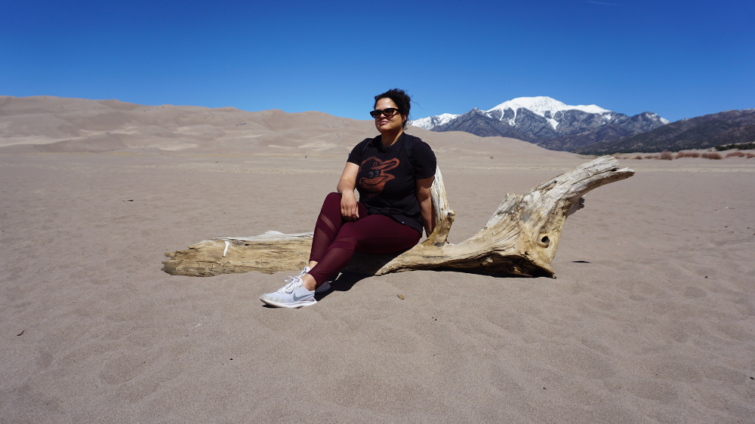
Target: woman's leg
[
  {"x": 299, "y": 290},
  {"x": 371, "y": 234},
  {"x": 328, "y": 224}
]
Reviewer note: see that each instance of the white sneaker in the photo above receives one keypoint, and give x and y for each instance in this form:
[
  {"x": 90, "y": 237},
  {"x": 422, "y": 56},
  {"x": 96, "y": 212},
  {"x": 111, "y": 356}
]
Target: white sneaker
[{"x": 292, "y": 295}]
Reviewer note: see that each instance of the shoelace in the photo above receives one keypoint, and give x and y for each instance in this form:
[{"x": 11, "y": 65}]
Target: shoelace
[
  {"x": 293, "y": 283},
  {"x": 288, "y": 280}
]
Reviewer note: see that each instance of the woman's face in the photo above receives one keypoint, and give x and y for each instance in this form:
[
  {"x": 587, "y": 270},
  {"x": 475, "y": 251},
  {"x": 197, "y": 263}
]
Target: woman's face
[{"x": 388, "y": 123}]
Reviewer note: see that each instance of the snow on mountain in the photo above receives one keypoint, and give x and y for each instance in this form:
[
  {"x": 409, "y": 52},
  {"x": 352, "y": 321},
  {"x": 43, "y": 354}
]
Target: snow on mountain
[
  {"x": 546, "y": 122},
  {"x": 433, "y": 121},
  {"x": 660, "y": 118},
  {"x": 543, "y": 106}
]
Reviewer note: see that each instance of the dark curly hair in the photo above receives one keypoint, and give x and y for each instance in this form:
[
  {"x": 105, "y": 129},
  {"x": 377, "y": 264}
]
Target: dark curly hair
[{"x": 402, "y": 100}]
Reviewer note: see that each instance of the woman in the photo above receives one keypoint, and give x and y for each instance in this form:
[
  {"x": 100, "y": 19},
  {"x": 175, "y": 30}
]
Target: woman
[{"x": 393, "y": 173}]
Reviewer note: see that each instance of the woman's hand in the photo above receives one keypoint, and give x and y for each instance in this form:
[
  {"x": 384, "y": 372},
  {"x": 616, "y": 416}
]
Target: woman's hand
[{"x": 349, "y": 207}]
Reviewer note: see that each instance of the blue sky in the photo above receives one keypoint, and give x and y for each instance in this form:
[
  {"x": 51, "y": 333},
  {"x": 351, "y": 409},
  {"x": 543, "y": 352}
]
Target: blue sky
[{"x": 679, "y": 59}]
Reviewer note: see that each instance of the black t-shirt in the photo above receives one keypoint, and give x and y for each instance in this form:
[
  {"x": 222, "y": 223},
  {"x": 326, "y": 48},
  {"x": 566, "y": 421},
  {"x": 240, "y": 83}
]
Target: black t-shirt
[{"x": 386, "y": 178}]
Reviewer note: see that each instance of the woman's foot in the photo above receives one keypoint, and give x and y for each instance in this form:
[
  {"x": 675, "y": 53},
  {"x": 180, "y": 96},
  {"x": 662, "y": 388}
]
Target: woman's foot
[
  {"x": 285, "y": 298},
  {"x": 324, "y": 287},
  {"x": 292, "y": 295}
]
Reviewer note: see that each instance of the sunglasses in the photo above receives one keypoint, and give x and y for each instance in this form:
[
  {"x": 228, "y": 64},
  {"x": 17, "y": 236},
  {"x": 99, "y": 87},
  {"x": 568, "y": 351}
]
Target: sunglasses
[{"x": 388, "y": 112}]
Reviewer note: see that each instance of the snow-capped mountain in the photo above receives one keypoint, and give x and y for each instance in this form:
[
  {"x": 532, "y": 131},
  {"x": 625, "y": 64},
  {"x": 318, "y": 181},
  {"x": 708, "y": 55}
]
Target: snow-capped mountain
[
  {"x": 546, "y": 122},
  {"x": 433, "y": 121},
  {"x": 541, "y": 106}
]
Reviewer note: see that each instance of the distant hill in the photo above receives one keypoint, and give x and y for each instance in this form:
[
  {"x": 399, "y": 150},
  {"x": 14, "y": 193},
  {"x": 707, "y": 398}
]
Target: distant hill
[
  {"x": 730, "y": 127},
  {"x": 546, "y": 122},
  {"x": 30, "y": 125},
  {"x": 59, "y": 124}
]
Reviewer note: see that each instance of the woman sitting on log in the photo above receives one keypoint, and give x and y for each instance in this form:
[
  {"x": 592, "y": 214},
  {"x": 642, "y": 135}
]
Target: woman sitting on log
[{"x": 393, "y": 173}]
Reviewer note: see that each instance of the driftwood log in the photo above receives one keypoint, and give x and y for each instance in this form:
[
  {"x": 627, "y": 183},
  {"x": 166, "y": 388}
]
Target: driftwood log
[{"x": 520, "y": 238}]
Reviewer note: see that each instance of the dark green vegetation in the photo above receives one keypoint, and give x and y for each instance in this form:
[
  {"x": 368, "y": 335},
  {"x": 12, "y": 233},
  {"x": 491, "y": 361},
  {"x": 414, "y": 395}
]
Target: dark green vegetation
[
  {"x": 745, "y": 146},
  {"x": 724, "y": 128}
]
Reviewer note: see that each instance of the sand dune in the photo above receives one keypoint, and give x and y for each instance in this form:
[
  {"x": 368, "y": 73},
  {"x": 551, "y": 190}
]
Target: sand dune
[
  {"x": 651, "y": 319},
  {"x": 53, "y": 124}
]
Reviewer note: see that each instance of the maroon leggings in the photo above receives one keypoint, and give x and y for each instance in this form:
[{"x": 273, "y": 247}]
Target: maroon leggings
[{"x": 336, "y": 240}]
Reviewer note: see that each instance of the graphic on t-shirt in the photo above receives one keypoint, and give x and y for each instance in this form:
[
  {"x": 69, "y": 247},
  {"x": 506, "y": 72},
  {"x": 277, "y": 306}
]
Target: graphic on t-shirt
[{"x": 373, "y": 183}]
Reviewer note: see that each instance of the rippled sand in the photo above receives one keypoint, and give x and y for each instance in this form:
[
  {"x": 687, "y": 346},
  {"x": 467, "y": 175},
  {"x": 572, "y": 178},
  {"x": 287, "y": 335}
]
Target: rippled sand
[{"x": 651, "y": 318}]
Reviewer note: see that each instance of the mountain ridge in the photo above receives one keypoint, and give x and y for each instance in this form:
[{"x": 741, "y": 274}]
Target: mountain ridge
[
  {"x": 546, "y": 122},
  {"x": 702, "y": 132}
]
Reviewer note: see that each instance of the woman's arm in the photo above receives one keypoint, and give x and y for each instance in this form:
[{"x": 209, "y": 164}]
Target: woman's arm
[
  {"x": 426, "y": 203},
  {"x": 349, "y": 209}
]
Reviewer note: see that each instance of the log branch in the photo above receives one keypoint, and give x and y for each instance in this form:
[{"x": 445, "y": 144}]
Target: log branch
[{"x": 521, "y": 238}]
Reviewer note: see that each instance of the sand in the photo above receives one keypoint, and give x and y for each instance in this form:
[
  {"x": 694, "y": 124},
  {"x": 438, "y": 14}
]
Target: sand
[{"x": 651, "y": 318}]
